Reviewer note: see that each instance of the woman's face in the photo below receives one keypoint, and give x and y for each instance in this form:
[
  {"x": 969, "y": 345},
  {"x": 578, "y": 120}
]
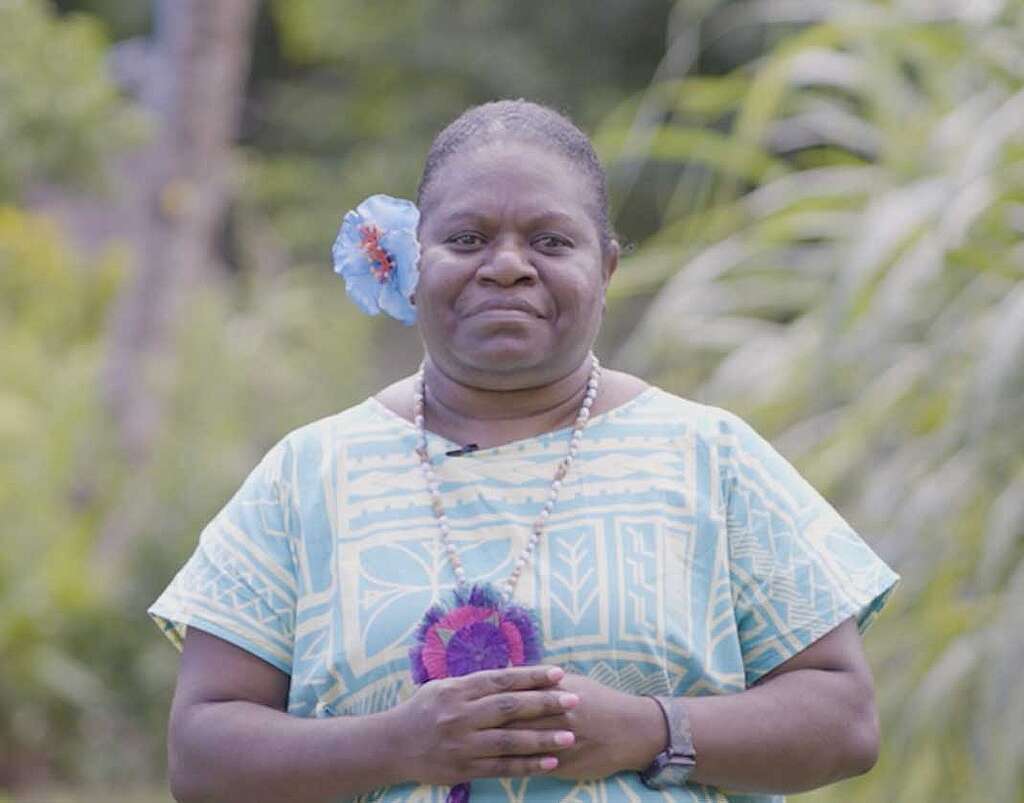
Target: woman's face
[{"x": 513, "y": 276}]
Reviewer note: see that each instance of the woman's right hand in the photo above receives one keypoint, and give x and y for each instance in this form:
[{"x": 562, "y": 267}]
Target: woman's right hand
[{"x": 452, "y": 730}]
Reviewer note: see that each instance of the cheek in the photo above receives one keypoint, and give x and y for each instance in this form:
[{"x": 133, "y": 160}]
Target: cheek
[
  {"x": 581, "y": 298},
  {"x": 440, "y": 278}
]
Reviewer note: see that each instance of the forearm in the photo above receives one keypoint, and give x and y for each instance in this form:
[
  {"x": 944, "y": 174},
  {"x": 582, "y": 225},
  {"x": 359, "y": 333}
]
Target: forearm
[
  {"x": 241, "y": 751},
  {"x": 797, "y": 731}
]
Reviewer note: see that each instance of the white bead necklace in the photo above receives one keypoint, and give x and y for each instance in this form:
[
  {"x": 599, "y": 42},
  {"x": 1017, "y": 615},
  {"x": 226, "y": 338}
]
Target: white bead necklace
[{"x": 561, "y": 470}]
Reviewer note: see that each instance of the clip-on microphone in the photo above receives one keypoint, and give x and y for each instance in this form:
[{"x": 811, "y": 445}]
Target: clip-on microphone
[{"x": 467, "y": 449}]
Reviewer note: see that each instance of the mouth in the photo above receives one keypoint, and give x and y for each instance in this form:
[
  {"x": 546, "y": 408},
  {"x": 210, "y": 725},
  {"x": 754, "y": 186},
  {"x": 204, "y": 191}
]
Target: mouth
[{"x": 500, "y": 305}]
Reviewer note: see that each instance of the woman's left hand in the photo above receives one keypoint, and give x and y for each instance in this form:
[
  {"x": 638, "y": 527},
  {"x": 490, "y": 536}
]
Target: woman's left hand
[{"x": 614, "y": 731}]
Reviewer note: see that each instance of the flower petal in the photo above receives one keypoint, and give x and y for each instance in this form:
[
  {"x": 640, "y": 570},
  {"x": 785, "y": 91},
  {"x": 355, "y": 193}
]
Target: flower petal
[
  {"x": 348, "y": 234},
  {"x": 404, "y": 249},
  {"x": 434, "y": 656},
  {"x": 480, "y": 595},
  {"x": 417, "y": 667},
  {"x": 529, "y": 629},
  {"x": 463, "y": 616},
  {"x": 514, "y": 641},
  {"x": 348, "y": 262},
  {"x": 395, "y": 304},
  {"x": 364, "y": 289},
  {"x": 390, "y": 213}
]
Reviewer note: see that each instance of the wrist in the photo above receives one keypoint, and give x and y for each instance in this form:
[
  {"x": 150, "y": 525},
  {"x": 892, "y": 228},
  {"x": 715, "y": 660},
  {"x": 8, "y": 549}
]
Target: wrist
[
  {"x": 648, "y": 734},
  {"x": 674, "y": 765},
  {"x": 401, "y": 757}
]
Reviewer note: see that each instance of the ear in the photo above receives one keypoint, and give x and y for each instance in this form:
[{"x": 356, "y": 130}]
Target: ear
[{"x": 610, "y": 262}]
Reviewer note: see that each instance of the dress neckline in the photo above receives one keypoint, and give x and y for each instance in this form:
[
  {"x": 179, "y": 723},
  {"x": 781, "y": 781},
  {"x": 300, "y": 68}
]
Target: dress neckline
[{"x": 444, "y": 444}]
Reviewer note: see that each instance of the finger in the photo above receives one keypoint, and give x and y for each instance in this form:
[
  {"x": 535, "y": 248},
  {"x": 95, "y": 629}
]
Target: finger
[
  {"x": 557, "y": 722},
  {"x": 500, "y": 709},
  {"x": 512, "y": 767},
  {"x": 504, "y": 743},
  {"x": 514, "y": 678}
]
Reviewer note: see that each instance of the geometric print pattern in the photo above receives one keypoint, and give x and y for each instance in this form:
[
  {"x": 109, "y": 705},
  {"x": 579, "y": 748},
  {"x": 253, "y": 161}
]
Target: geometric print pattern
[{"x": 685, "y": 556}]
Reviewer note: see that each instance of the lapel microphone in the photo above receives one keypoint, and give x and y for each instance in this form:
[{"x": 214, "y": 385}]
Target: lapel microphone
[{"x": 467, "y": 449}]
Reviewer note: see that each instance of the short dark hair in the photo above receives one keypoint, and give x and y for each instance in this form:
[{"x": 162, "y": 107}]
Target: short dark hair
[{"x": 528, "y": 122}]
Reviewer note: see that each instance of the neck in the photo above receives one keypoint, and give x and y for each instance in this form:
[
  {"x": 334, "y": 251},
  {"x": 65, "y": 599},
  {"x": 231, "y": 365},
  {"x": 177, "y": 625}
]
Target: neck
[{"x": 492, "y": 416}]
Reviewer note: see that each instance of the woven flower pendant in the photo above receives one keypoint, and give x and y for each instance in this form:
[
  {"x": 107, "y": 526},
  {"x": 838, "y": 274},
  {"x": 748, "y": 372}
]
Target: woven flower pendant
[{"x": 476, "y": 630}]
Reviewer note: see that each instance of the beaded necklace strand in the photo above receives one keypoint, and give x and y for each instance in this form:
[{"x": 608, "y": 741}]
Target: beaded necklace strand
[{"x": 508, "y": 587}]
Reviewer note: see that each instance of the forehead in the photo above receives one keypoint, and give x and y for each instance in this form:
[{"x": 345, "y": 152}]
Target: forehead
[{"x": 495, "y": 175}]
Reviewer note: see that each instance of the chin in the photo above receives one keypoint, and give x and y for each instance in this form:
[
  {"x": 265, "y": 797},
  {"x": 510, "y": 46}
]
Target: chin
[{"x": 505, "y": 359}]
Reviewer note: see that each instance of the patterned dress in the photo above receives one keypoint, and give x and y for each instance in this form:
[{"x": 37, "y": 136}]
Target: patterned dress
[{"x": 685, "y": 556}]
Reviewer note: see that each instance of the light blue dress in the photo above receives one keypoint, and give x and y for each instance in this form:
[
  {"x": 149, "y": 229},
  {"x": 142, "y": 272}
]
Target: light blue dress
[{"x": 685, "y": 556}]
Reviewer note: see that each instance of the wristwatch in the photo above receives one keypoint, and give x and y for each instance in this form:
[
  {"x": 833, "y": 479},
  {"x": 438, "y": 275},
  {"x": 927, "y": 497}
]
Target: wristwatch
[{"x": 673, "y": 765}]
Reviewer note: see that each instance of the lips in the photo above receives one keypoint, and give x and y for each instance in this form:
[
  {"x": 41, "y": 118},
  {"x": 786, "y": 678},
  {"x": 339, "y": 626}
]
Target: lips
[{"x": 504, "y": 305}]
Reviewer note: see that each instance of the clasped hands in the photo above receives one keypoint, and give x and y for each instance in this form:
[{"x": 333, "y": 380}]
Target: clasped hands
[{"x": 536, "y": 720}]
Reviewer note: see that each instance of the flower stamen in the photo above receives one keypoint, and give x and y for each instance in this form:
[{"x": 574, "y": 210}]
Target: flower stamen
[{"x": 381, "y": 263}]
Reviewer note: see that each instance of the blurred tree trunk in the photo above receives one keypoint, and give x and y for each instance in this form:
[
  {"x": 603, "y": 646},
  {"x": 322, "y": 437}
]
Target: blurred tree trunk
[{"x": 194, "y": 88}]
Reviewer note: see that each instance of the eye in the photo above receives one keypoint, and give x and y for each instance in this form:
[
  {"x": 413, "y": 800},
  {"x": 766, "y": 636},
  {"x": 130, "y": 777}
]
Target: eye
[
  {"x": 465, "y": 240},
  {"x": 552, "y": 242}
]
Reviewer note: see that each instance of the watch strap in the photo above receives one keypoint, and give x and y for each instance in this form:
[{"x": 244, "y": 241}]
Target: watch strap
[
  {"x": 673, "y": 765},
  {"x": 680, "y": 737}
]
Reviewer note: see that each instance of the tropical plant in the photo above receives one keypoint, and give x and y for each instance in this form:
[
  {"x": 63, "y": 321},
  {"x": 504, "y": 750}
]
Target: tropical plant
[
  {"x": 60, "y": 114},
  {"x": 831, "y": 245},
  {"x": 59, "y": 117},
  {"x": 849, "y": 209},
  {"x": 85, "y": 683}
]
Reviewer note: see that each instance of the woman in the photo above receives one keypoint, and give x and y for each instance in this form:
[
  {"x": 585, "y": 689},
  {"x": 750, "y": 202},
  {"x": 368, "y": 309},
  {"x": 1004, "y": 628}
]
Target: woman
[{"x": 697, "y": 603}]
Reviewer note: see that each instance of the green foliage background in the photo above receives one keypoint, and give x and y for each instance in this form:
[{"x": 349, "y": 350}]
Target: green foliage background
[{"x": 825, "y": 204}]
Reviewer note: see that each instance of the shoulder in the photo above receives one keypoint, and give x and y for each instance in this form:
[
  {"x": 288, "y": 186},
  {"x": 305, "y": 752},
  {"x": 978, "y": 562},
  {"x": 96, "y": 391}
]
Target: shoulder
[
  {"x": 397, "y": 397},
  {"x": 363, "y": 424},
  {"x": 714, "y": 437},
  {"x": 617, "y": 389},
  {"x": 660, "y": 406}
]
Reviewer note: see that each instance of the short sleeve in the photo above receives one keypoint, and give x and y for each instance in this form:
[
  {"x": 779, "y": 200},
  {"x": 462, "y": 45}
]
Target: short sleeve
[
  {"x": 797, "y": 569},
  {"x": 240, "y": 583}
]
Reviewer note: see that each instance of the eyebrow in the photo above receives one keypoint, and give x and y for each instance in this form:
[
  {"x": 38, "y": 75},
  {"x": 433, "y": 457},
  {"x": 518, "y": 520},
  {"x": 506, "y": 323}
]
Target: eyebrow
[{"x": 543, "y": 216}]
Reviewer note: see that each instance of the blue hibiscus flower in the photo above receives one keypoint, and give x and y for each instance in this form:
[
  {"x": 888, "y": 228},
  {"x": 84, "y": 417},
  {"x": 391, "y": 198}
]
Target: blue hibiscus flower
[{"x": 377, "y": 254}]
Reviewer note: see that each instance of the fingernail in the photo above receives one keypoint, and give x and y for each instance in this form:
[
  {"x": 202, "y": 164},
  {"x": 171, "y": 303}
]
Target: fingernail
[
  {"x": 568, "y": 700},
  {"x": 548, "y": 763},
  {"x": 556, "y": 673},
  {"x": 565, "y": 738}
]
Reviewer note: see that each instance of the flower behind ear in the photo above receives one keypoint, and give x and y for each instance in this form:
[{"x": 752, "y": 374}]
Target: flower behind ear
[{"x": 377, "y": 254}]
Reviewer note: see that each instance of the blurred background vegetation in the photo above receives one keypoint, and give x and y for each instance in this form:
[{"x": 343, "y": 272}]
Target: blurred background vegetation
[{"x": 824, "y": 208}]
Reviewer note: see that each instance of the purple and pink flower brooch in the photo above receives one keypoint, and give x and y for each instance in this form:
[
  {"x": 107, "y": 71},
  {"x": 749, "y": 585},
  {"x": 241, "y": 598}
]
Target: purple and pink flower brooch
[{"x": 478, "y": 630}]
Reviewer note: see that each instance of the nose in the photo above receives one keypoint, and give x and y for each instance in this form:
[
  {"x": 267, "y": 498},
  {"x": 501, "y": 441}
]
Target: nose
[{"x": 507, "y": 266}]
